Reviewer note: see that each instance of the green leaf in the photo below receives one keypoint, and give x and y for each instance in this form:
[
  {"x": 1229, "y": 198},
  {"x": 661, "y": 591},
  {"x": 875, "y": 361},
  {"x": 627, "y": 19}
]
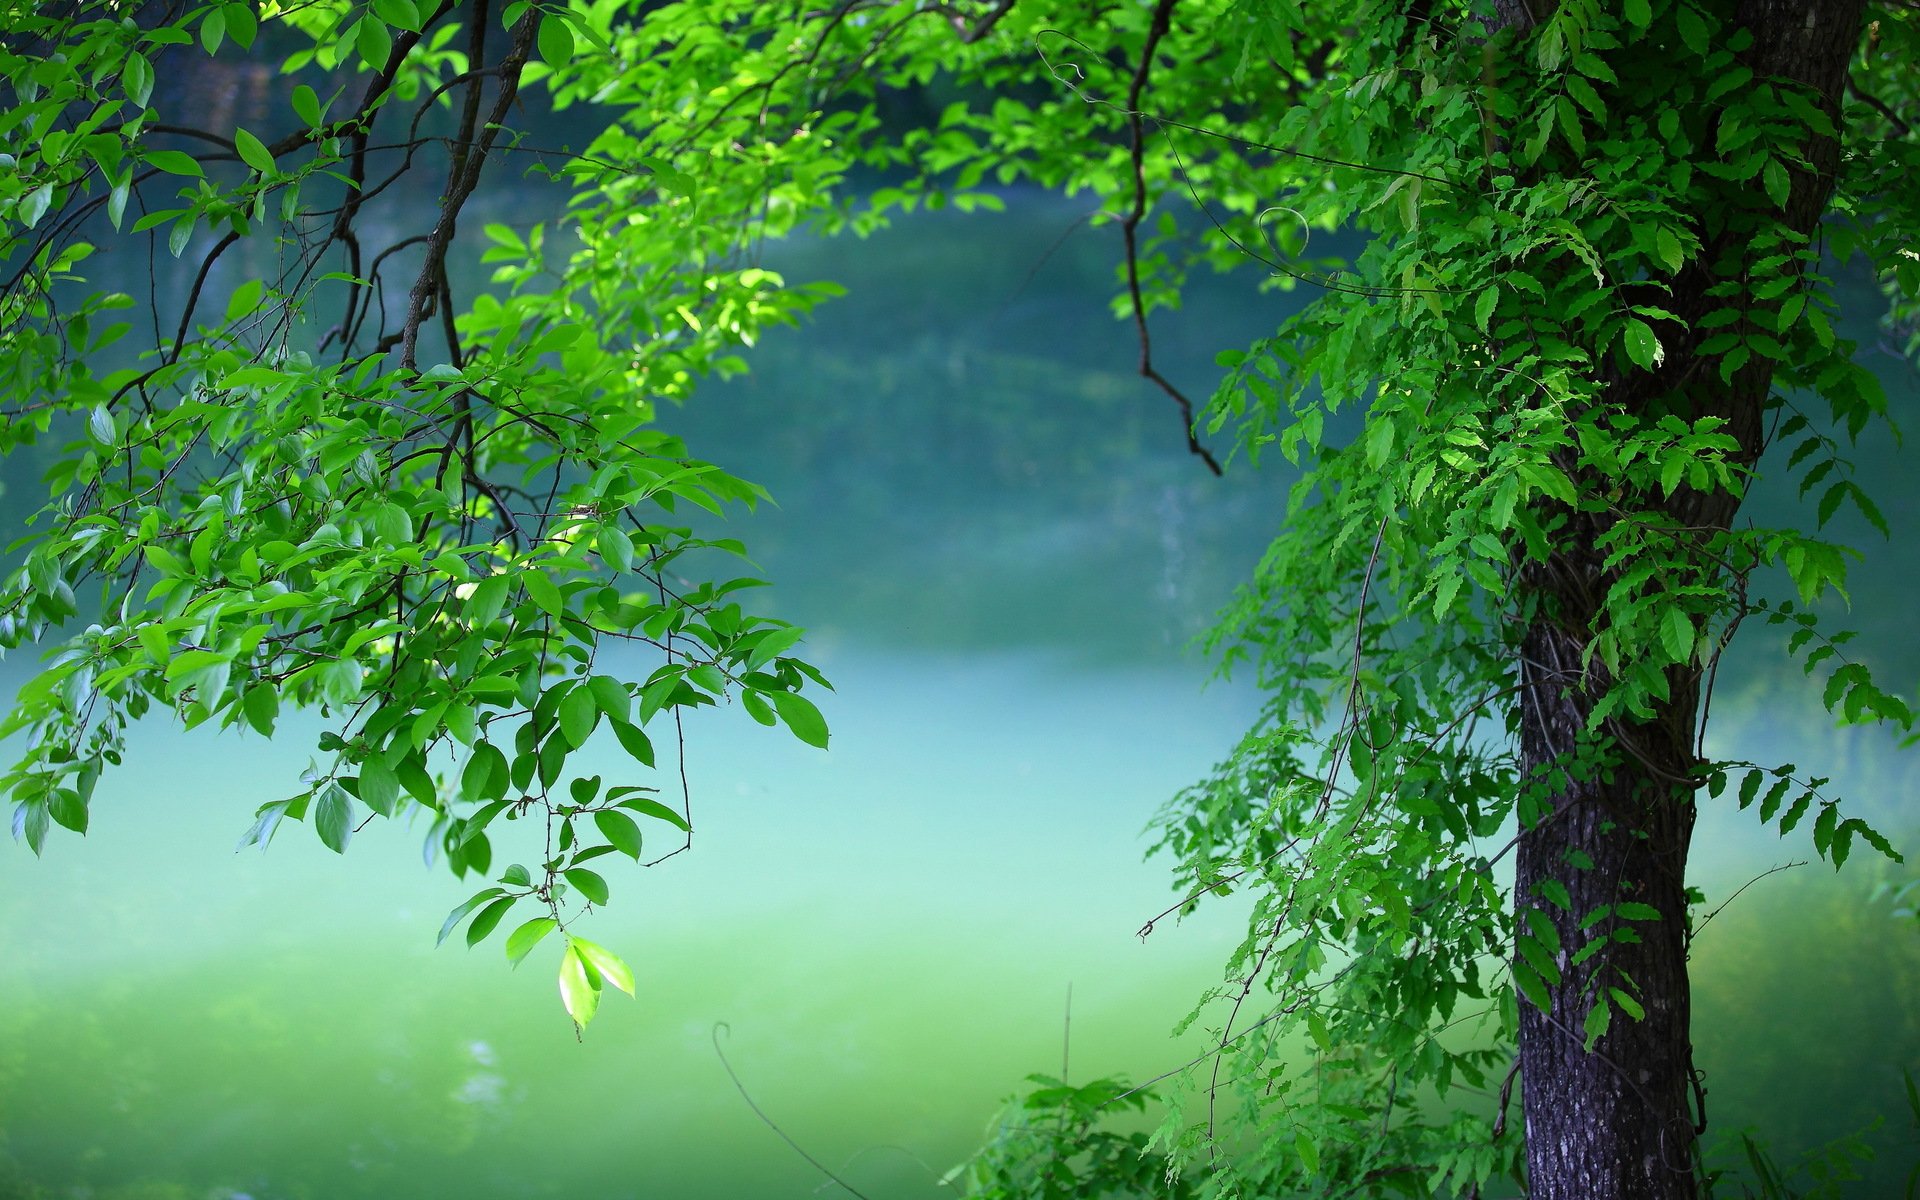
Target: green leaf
[
  {"x": 1531, "y": 987},
  {"x": 615, "y": 547},
  {"x": 621, "y": 831},
  {"x": 635, "y": 742},
  {"x": 579, "y": 713},
  {"x": 489, "y": 917},
  {"x": 333, "y": 819},
  {"x": 379, "y": 786},
  {"x": 801, "y": 716},
  {"x": 611, "y": 696},
  {"x": 136, "y": 78},
  {"x": 173, "y": 162},
  {"x": 605, "y": 963},
  {"x": 555, "y": 40},
  {"x": 486, "y": 774},
  {"x": 653, "y": 808},
  {"x": 306, "y": 106},
  {"x": 1599, "y": 1017},
  {"x": 1775, "y": 179},
  {"x": 1693, "y": 30},
  {"x": 253, "y": 152},
  {"x": 34, "y": 205},
  {"x": 579, "y": 986},
  {"x": 68, "y": 810},
  {"x": 1639, "y": 13},
  {"x": 1633, "y": 910},
  {"x": 261, "y": 707},
  {"x": 1627, "y": 1003},
  {"x": 401, "y": 14},
  {"x": 1667, "y": 245},
  {"x": 1483, "y": 306},
  {"x": 374, "y": 42},
  {"x": 541, "y": 591},
  {"x": 468, "y": 905},
  {"x": 1676, "y": 634},
  {"x": 521, "y": 941},
  {"x": 591, "y": 885},
  {"x": 1642, "y": 346},
  {"x": 1309, "y": 1152},
  {"x": 772, "y": 645},
  {"x": 213, "y": 29}
]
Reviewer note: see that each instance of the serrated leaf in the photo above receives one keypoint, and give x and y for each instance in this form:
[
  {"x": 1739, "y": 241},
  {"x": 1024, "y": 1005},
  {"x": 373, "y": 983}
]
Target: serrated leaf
[
  {"x": 521, "y": 941},
  {"x": 1627, "y": 1003},
  {"x": 1830, "y": 501},
  {"x": 1309, "y": 1152},
  {"x": 1483, "y": 306},
  {"x": 1531, "y": 987},
  {"x": 1676, "y": 634},
  {"x": 1666, "y": 244},
  {"x": 1599, "y": 1017},
  {"x": 1633, "y": 910},
  {"x": 1774, "y": 178}
]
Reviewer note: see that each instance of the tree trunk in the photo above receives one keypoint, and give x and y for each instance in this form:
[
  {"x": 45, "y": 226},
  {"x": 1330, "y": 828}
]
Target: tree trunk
[{"x": 1617, "y": 1123}]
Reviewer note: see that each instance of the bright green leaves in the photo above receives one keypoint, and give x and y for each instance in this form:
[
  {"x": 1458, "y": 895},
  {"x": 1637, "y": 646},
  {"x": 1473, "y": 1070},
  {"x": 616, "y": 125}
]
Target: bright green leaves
[
  {"x": 452, "y": 528},
  {"x": 253, "y": 152},
  {"x": 555, "y": 40},
  {"x": 585, "y": 970},
  {"x": 306, "y": 106},
  {"x": 521, "y": 941}
]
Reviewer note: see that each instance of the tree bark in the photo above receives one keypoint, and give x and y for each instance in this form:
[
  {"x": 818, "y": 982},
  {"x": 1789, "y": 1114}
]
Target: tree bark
[{"x": 1622, "y": 1122}]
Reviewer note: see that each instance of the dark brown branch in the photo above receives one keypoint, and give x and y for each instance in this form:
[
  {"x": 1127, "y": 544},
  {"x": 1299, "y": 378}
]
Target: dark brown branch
[
  {"x": 193, "y": 295},
  {"x": 1130, "y": 227},
  {"x": 462, "y": 177}
]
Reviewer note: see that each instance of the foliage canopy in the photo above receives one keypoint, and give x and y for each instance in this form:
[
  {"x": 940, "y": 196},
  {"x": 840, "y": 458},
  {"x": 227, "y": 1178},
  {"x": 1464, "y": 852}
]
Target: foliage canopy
[{"x": 1591, "y": 298}]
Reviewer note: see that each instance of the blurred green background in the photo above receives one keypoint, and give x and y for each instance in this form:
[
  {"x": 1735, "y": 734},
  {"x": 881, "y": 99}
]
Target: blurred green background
[{"x": 1002, "y": 549}]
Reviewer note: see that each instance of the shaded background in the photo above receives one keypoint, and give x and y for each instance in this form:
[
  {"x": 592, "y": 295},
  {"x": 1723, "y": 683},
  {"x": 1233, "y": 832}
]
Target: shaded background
[{"x": 1002, "y": 550}]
